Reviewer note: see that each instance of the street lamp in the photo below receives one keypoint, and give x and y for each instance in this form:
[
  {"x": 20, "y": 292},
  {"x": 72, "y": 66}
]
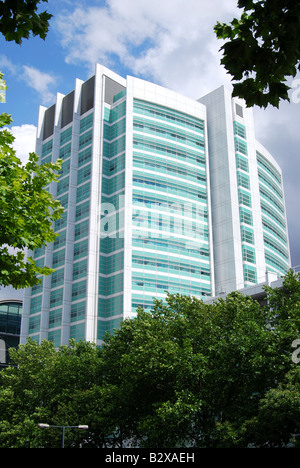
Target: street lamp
[{"x": 81, "y": 426}]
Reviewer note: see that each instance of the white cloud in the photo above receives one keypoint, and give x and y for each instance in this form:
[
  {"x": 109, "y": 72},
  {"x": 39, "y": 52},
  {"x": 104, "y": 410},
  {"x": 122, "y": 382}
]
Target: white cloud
[
  {"x": 171, "y": 42},
  {"x": 6, "y": 64},
  {"x": 25, "y": 137},
  {"x": 41, "y": 82}
]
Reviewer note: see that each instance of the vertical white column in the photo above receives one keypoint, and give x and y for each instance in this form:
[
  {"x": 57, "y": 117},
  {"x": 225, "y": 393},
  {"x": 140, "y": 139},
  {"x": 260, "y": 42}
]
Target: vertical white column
[
  {"x": 69, "y": 249},
  {"x": 44, "y": 325},
  {"x": 94, "y": 221},
  {"x": 128, "y": 201}
]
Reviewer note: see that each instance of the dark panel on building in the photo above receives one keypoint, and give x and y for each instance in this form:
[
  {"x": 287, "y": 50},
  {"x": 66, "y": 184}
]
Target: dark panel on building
[
  {"x": 49, "y": 122},
  {"x": 67, "y": 109},
  {"x": 87, "y": 95},
  {"x": 111, "y": 89},
  {"x": 239, "y": 110}
]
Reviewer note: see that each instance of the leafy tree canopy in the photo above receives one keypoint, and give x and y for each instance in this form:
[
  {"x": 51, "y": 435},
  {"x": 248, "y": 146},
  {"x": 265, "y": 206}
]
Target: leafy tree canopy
[
  {"x": 27, "y": 212},
  {"x": 262, "y": 49},
  {"x": 18, "y": 18},
  {"x": 187, "y": 374}
]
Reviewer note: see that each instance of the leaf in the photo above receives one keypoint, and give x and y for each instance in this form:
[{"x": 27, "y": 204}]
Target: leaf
[{"x": 264, "y": 44}]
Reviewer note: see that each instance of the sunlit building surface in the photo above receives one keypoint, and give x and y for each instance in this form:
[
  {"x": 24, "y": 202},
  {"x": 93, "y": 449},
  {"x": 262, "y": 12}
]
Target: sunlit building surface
[{"x": 161, "y": 193}]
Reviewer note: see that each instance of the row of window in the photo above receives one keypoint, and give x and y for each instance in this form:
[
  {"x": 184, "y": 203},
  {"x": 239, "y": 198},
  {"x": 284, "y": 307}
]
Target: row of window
[
  {"x": 157, "y": 203},
  {"x": 169, "y": 284},
  {"x": 161, "y": 131},
  {"x": 110, "y": 132},
  {"x": 170, "y": 226},
  {"x": 108, "y": 307},
  {"x": 162, "y": 166},
  {"x": 170, "y": 266},
  {"x": 170, "y": 188},
  {"x": 167, "y": 115},
  {"x": 172, "y": 246},
  {"x": 150, "y": 146}
]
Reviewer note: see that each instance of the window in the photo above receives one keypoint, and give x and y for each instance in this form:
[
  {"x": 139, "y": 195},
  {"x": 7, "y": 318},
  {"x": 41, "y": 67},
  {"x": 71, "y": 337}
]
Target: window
[
  {"x": 47, "y": 148},
  {"x": 248, "y": 254},
  {"x": 56, "y": 297},
  {"x": 66, "y": 136},
  {"x": 86, "y": 123},
  {"x": 82, "y": 211},
  {"x": 80, "y": 249},
  {"x": 242, "y": 163},
  {"x": 244, "y": 198},
  {"x": 60, "y": 241},
  {"x": 240, "y": 146},
  {"x": 55, "y": 318},
  {"x": 78, "y": 311},
  {"x": 79, "y": 290},
  {"x": 247, "y": 235},
  {"x": 81, "y": 230},
  {"x": 58, "y": 258},
  {"x": 63, "y": 186},
  {"x": 243, "y": 180},
  {"x": 84, "y": 174},
  {"x": 250, "y": 274},
  {"x": 246, "y": 216},
  {"x": 85, "y": 139},
  {"x": 83, "y": 192},
  {"x": 80, "y": 269},
  {"x": 239, "y": 130},
  {"x": 57, "y": 278},
  {"x": 65, "y": 152},
  {"x": 36, "y": 304}
]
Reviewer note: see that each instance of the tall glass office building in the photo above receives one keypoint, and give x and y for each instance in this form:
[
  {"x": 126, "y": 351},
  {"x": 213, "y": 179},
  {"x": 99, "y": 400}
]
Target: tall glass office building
[
  {"x": 161, "y": 193},
  {"x": 250, "y": 234}
]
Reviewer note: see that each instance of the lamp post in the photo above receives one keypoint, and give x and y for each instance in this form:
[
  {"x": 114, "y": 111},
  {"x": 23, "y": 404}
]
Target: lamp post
[{"x": 46, "y": 426}]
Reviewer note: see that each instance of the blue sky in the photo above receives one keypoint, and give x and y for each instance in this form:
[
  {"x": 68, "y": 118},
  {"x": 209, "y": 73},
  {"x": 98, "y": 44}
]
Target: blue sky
[{"x": 169, "y": 42}]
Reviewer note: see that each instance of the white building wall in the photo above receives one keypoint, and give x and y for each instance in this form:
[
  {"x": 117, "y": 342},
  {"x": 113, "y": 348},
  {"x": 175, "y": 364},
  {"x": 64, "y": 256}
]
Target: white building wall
[{"x": 224, "y": 196}]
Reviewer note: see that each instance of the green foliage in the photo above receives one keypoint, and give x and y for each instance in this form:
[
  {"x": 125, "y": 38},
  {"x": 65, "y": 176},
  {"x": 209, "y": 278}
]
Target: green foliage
[
  {"x": 27, "y": 212},
  {"x": 277, "y": 421},
  {"x": 186, "y": 374},
  {"x": 46, "y": 387},
  {"x": 20, "y": 17},
  {"x": 262, "y": 50}
]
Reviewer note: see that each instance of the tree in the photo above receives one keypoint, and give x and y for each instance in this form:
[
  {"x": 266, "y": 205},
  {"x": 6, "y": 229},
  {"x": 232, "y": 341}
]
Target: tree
[
  {"x": 27, "y": 212},
  {"x": 188, "y": 374},
  {"x": 27, "y": 208},
  {"x": 262, "y": 50},
  {"x": 192, "y": 374},
  {"x": 277, "y": 424},
  {"x": 45, "y": 385},
  {"x": 20, "y": 17}
]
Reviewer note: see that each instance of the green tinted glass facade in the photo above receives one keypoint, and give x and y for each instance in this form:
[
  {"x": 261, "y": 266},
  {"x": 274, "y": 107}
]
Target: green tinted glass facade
[
  {"x": 170, "y": 219},
  {"x": 245, "y": 203},
  {"x": 273, "y": 216},
  {"x": 111, "y": 269}
]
